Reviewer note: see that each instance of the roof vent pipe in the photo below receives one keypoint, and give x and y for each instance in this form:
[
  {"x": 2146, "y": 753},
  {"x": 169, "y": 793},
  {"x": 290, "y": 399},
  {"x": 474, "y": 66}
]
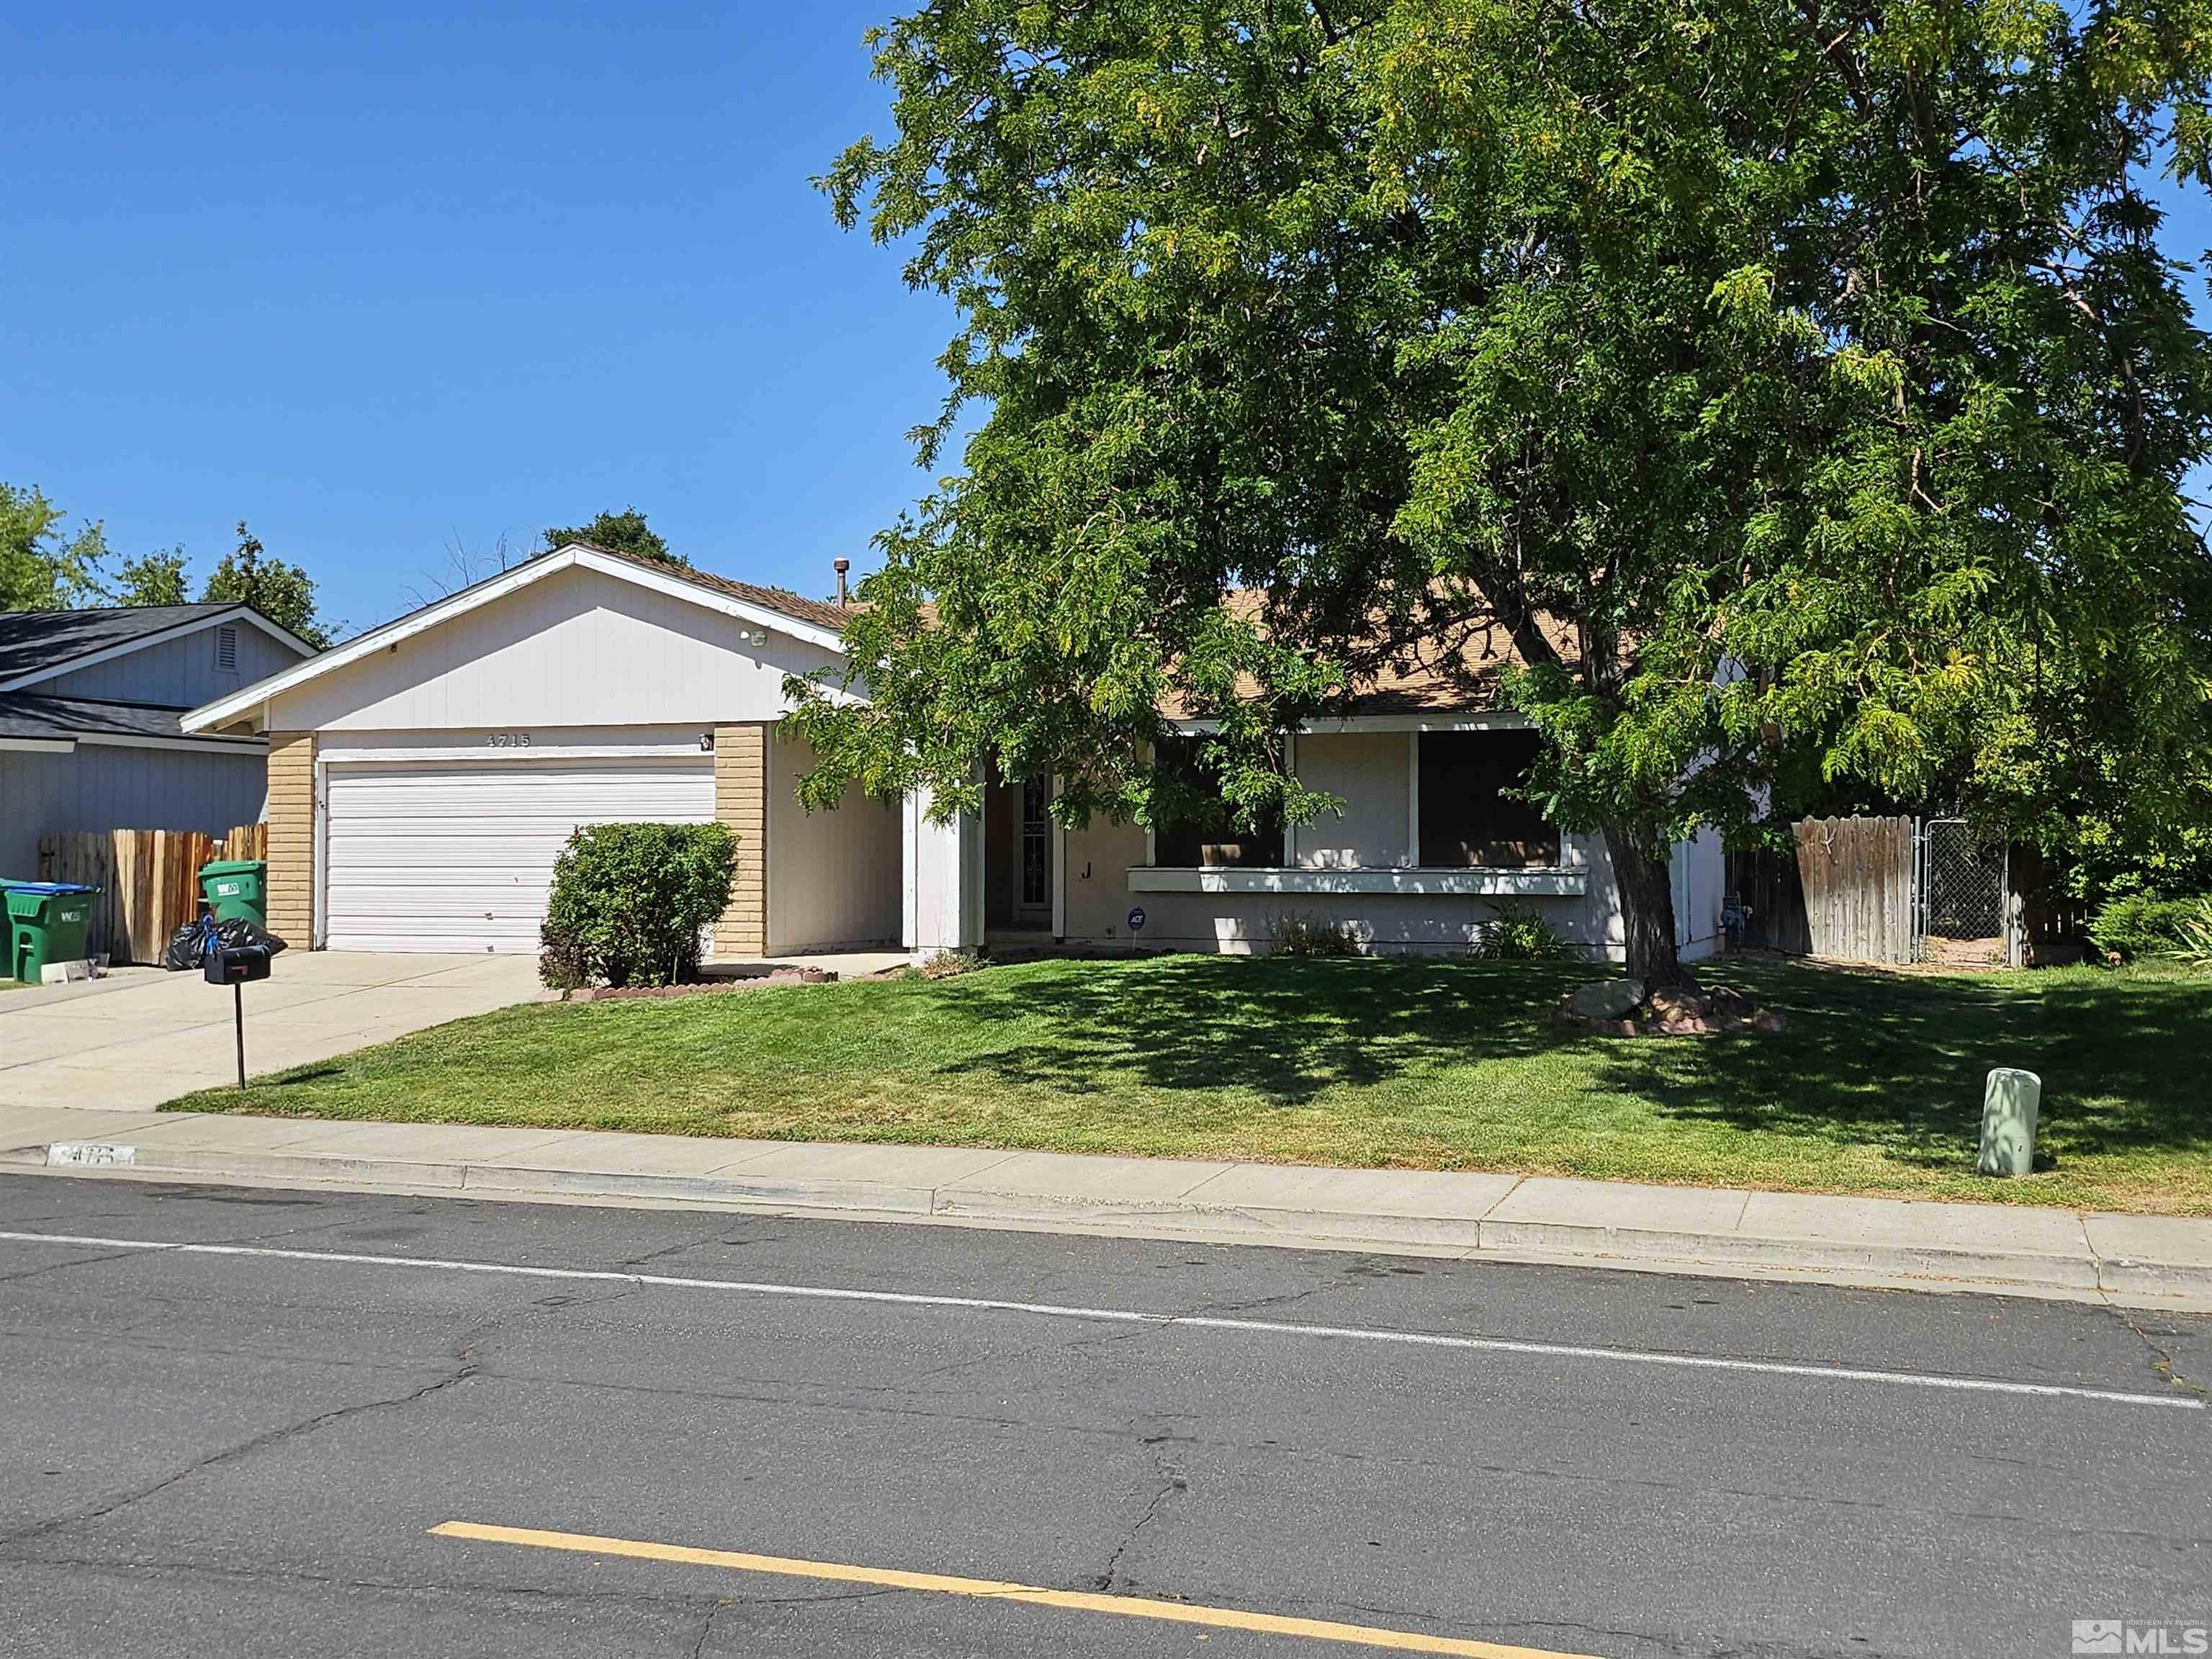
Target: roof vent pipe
[{"x": 841, "y": 566}]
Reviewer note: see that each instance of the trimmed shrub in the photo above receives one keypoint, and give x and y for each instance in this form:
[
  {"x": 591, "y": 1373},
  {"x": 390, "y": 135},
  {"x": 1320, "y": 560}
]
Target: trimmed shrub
[
  {"x": 2138, "y": 926},
  {"x": 1518, "y": 932},
  {"x": 629, "y": 901},
  {"x": 1298, "y": 934}
]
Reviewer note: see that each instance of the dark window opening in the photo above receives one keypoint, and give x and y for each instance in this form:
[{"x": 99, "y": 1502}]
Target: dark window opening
[
  {"x": 1467, "y": 819},
  {"x": 1205, "y": 835}
]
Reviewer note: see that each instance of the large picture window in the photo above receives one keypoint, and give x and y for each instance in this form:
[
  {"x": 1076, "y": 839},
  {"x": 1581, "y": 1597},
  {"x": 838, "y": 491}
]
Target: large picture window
[
  {"x": 1467, "y": 820},
  {"x": 1208, "y": 837}
]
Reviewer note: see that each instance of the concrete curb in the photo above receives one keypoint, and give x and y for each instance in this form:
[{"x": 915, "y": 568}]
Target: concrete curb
[{"x": 981, "y": 1200}]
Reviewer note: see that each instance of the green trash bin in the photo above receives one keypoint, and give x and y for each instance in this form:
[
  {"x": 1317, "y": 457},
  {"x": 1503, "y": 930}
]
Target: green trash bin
[
  {"x": 45, "y": 924},
  {"x": 236, "y": 889}
]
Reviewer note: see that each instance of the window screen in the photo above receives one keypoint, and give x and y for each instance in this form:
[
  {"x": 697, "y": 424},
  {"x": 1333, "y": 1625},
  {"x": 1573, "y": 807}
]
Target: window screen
[{"x": 1465, "y": 818}]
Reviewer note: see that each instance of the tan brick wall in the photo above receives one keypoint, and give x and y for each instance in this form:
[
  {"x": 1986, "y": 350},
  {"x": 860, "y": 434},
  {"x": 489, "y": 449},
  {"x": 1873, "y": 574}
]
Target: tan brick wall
[
  {"x": 741, "y": 802},
  {"x": 292, "y": 837}
]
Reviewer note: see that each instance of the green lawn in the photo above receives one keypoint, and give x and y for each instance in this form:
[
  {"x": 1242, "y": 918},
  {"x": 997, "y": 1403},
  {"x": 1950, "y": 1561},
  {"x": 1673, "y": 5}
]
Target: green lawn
[{"x": 1875, "y": 1087}]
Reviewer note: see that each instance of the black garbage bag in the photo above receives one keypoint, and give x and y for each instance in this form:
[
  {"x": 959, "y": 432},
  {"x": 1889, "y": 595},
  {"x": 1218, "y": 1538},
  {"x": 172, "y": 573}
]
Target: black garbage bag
[
  {"x": 237, "y": 931},
  {"x": 188, "y": 947}
]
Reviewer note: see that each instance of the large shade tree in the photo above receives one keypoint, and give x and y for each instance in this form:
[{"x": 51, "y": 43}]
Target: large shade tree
[{"x": 1813, "y": 370}]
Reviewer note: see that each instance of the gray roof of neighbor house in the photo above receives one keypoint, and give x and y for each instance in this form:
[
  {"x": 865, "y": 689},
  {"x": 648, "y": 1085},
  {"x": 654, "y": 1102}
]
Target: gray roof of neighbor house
[
  {"x": 26, "y": 715},
  {"x": 33, "y": 640}
]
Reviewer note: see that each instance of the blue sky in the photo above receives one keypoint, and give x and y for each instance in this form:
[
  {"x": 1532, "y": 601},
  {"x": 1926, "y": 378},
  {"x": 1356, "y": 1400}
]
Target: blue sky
[
  {"x": 384, "y": 281},
  {"x": 389, "y": 283}
]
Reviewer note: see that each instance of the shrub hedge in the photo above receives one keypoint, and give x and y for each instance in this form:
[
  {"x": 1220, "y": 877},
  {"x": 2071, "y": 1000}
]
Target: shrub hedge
[
  {"x": 2139, "y": 927},
  {"x": 629, "y": 901}
]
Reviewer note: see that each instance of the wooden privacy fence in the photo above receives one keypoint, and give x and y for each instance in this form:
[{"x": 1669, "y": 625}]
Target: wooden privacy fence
[
  {"x": 148, "y": 880},
  {"x": 1847, "y": 891}
]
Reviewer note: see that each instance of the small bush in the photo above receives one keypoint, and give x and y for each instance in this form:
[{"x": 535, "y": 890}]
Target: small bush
[
  {"x": 1518, "y": 932},
  {"x": 629, "y": 901},
  {"x": 2194, "y": 931},
  {"x": 1298, "y": 934},
  {"x": 2139, "y": 926}
]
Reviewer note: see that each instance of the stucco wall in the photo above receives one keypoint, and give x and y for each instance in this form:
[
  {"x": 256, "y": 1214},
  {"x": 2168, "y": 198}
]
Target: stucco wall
[{"x": 833, "y": 876}]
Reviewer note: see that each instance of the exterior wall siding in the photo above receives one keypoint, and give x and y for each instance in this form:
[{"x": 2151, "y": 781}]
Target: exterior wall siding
[
  {"x": 103, "y": 787},
  {"x": 741, "y": 803},
  {"x": 578, "y": 649},
  {"x": 292, "y": 837},
  {"x": 179, "y": 673},
  {"x": 833, "y": 876}
]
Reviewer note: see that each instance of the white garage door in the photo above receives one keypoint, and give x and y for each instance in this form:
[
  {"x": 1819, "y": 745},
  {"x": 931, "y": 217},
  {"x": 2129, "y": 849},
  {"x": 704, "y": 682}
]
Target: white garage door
[{"x": 458, "y": 857}]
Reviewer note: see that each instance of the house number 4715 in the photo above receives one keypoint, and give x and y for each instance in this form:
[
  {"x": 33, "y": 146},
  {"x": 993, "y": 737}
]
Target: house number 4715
[{"x": 510, "y": 740}]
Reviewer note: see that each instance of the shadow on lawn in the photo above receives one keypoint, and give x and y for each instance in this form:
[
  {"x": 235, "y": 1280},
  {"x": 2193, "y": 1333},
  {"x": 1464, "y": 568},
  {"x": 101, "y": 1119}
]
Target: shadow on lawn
[
  {"x": 1898, "y": 1060},
  {"x": 1285, "y": 1029}
]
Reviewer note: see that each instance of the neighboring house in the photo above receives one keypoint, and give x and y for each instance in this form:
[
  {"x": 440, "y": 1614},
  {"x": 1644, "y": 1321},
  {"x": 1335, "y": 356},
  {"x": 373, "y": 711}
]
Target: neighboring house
[
  {"x": 424, "y": 776},
  {"x": 91, "y": 703}
]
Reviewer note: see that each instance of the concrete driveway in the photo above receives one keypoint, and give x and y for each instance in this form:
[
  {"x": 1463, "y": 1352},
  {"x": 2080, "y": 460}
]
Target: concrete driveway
[{"x": 141, "y": 1036}]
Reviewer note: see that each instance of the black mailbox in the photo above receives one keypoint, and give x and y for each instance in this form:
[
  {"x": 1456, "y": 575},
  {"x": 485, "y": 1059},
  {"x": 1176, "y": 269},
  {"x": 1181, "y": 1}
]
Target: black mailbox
[{"x": 235, "y": 964}]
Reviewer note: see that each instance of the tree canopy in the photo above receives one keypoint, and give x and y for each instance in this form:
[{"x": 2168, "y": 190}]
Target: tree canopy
[
  {"x": 625, "y": 531},
  {"x": 41, "y": 569},
  {"x": 284, "y": 593},
  {"x": 1815, "y": 367}
]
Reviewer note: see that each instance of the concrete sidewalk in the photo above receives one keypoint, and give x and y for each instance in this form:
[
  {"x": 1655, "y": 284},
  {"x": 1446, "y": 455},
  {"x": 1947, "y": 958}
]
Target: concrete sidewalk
[{"x": 2154, "y": 1260}]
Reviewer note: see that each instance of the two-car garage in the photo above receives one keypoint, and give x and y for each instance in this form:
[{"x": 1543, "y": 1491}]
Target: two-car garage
[
  {"x": 423, "y": 777},
  {"x": 459, "y": 856}
]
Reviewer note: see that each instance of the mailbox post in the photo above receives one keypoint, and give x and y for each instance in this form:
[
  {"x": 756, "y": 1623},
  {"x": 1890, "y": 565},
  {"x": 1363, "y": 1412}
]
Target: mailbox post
[{"x": 236, "y": 966}]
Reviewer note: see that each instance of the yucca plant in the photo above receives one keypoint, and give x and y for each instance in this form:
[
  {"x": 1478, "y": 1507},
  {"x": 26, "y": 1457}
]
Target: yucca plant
[{"x": 2194, "y": 933}]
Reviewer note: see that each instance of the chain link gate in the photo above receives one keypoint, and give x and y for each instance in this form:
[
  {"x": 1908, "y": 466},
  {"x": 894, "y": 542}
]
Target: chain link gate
[{"x": 1961, "y": 883}]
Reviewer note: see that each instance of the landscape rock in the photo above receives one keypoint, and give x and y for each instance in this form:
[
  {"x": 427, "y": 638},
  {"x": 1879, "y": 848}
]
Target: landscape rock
[{"x": 1606, "y": 999}]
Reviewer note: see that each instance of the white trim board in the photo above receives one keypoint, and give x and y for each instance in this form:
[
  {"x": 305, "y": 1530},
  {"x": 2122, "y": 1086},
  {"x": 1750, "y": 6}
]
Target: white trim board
[
  {"x": 182, "y": 630},
  {"x": 1556, "y": 883},
  {"x": 523, "y": 575}
]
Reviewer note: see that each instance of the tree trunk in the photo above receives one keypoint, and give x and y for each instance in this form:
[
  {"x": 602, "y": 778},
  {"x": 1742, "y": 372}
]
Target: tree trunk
[{"x": 1647, "y": 910}]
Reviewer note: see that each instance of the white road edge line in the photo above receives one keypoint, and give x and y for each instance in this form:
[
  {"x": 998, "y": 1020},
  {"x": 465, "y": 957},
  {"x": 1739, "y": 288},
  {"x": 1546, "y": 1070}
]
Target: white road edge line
[{"x": 1131, "y": 1316}]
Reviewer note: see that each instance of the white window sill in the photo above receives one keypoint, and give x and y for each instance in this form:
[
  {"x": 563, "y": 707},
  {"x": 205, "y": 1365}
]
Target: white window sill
[{"x": 1555, "y": 882}]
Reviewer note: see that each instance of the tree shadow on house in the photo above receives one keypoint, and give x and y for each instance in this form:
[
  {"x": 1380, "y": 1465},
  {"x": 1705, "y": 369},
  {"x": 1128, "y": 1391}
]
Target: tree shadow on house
[
  {"x": 1286, "y": 1029},
  {"x": 1897, "y": 1060}
]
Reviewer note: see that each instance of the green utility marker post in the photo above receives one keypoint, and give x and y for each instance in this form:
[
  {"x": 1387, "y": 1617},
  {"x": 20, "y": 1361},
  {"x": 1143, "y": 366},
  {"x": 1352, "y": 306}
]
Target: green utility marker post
[{"x": 2010, "y": 1102}]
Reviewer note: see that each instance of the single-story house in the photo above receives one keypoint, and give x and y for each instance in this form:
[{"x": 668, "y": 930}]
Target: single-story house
[
  {"x": 91, "y": 721},
  {"x": 424, "y": 775}
]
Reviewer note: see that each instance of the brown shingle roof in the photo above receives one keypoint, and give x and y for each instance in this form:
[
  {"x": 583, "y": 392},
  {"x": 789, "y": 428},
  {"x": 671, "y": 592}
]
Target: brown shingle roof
[
  {"x": 1458, "y": 670},
  {"x": 822, "y": 613}
]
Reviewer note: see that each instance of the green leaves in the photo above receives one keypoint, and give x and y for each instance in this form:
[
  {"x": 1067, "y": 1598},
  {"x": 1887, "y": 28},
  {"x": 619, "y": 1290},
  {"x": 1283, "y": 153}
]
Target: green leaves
[{"x": 1803, "y": 392}]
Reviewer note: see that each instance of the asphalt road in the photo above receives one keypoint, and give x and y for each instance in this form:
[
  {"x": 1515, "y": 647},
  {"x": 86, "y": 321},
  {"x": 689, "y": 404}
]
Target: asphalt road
[{"x": 244, "y": 1454}]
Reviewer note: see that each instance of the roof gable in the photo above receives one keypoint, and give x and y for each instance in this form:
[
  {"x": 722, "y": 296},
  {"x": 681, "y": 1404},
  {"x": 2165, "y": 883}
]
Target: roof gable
[
  {"x": 40, "y": 644},
  {"x": 812, "y": 622}
]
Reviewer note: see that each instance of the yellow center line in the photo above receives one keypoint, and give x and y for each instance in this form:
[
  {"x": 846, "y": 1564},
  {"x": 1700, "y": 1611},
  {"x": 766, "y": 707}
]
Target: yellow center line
[{"x": 1122, "y": 1607}]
